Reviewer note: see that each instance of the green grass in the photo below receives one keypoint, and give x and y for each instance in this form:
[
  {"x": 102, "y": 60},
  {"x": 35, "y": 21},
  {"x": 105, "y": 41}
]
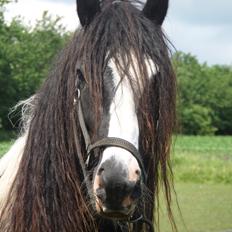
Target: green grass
[
  {"x": 202, "y": 159},
  {"x": 221, "y": 144},
  {"x": 205, "y": 208},
  {"x": 203, "y": 176}
]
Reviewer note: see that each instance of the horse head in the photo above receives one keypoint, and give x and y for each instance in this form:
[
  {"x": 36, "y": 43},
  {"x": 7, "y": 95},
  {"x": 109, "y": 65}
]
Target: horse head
[{"x": 118, "y": 171}]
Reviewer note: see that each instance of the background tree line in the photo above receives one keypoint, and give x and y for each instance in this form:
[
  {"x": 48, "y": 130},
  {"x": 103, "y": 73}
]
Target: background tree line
[
  {"x": 26, "y": 53},
  {"x": 204, "y": 96}
]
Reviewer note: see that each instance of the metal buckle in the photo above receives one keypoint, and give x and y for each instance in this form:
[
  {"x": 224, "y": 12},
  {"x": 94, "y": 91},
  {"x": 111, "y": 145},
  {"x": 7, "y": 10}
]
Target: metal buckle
[{"x": 78, "y": 93}]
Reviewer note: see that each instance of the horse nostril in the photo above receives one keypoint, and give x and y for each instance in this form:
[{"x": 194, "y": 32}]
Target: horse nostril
[
  {"x": 138, "y": 172},
  {"x": 100, "y": 171}
]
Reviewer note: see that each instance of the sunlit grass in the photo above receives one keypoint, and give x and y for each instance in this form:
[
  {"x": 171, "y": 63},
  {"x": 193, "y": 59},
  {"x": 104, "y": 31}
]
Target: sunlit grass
[
  {"x": 221, "y": 144},
  {"x": 205, "y": 208},
  {"x": 202, "y": 159}
]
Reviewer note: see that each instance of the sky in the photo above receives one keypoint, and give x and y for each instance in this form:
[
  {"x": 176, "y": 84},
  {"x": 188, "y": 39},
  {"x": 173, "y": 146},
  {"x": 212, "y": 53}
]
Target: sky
[{"x": 200, "y": 27}]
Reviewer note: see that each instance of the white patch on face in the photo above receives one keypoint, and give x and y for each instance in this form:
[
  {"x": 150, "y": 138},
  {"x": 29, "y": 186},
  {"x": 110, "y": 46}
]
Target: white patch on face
[{"x": 123, "y": 119}]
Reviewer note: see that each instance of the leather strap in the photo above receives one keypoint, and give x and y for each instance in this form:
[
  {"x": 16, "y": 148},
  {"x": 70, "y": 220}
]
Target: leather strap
[
  {"x": 108, "y": 142},
  {"x": 103, "y": 143},
  {"x": 118, "y": 142}
]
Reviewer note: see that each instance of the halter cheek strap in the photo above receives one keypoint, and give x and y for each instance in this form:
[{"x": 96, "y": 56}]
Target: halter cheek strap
[
  {"x": 103, "y": 143},
  {"x": 108, "y": 142}
]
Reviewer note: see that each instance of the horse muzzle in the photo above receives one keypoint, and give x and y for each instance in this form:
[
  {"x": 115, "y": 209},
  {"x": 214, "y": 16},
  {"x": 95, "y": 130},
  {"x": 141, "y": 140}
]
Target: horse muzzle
[{"x": 116, "y": 195}]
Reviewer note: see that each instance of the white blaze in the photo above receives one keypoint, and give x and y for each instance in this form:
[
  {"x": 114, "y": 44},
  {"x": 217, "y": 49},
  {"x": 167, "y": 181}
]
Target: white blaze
[{"x": 123, "y": 118}]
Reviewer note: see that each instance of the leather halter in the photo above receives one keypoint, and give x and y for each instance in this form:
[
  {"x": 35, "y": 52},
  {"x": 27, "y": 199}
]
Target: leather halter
[
  {"x": 103, "y": 143},
  {"x": 107, "y": 142}
]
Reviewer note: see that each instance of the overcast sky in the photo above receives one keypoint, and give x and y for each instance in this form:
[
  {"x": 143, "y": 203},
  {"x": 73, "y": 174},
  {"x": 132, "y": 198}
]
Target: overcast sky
[{"x": 201, "y": 27}]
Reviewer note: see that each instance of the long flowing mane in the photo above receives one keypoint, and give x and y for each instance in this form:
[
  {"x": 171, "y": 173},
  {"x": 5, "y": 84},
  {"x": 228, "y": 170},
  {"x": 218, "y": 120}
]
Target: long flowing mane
[{"x": 48, "y": 193}]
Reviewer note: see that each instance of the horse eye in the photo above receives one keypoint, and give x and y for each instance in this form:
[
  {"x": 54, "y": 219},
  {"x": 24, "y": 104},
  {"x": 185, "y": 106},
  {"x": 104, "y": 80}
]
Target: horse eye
[
  {"x": 79, "y": 73},
  {"x": 80, "y": 79}
]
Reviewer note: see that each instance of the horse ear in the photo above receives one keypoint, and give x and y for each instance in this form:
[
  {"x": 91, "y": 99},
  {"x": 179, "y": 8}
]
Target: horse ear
[
  {"x": 156, "y": 10},
  {"x": 86, "y": 10}
]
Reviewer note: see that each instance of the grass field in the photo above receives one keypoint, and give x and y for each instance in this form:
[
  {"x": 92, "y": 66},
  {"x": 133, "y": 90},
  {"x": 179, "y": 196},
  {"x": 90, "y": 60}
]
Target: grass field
[
  {"x": 203, "y": 177},
  {"x": 200, "y": 159},
  {"x": 205, "y": 208}
]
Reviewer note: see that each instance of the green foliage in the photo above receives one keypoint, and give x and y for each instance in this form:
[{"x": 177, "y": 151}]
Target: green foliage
[
  {"x": 2, "y": 4},
  {"x": 196, "y": 120},
  {"x": 205, "y": 93},
  {"x": 25, "y": 58},
  {"x": 7, "y": 136},
  {"x": 4, "y": 147}
]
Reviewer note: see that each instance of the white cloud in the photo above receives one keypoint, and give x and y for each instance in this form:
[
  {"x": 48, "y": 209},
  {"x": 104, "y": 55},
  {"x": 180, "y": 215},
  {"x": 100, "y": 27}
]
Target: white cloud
[
  {"x": 198, "y": 29},
  {"x": 203, "y": 28},
  {"x": 207, "y": 12}
]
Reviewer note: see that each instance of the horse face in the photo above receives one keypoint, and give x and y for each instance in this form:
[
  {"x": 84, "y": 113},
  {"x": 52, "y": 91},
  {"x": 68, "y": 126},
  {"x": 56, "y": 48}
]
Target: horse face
[{"x": 117, "y": 180}]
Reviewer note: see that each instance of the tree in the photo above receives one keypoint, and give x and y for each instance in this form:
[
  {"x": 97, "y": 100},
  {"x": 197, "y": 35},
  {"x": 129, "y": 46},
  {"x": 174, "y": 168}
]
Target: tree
[
  {"x": 25, "y": 57},
  {"x": 220, "y": 97},
  {"x": 205, "y": 93}
]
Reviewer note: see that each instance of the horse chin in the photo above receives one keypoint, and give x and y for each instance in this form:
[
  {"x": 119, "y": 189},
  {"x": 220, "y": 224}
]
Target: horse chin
[{"x": 116, "y": 214}]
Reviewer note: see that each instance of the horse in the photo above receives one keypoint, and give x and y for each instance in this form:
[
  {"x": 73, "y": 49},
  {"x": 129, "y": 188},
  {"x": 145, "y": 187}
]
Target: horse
[{"x": 94, "y": 150}]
